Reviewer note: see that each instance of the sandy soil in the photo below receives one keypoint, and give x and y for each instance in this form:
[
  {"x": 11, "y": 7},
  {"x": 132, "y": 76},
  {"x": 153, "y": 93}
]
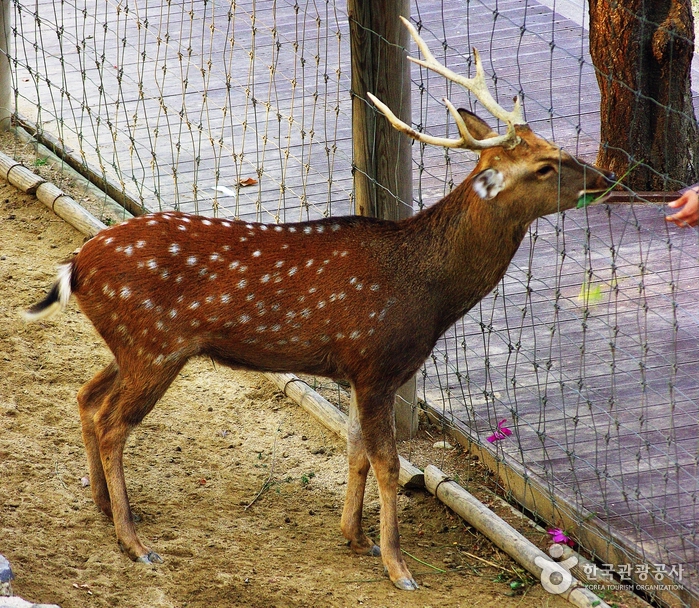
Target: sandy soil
[{"x": 194, "y": 469}]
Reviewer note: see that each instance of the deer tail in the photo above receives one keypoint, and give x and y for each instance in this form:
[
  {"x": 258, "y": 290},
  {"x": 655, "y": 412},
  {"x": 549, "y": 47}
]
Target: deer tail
[{"x": 56, "y": 299}]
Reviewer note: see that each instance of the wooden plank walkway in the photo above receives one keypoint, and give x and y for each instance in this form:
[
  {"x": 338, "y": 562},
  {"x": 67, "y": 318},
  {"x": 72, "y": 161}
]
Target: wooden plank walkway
[{"x": 589, "y": 345}]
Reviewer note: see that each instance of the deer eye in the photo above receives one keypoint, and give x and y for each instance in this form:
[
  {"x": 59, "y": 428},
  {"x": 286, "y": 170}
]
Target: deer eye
[{"x": 545, "y": 171}]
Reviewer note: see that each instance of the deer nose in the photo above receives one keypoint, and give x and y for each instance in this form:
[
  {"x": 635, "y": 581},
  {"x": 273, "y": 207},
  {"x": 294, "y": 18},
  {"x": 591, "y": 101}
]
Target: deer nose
[{"x": 610, "y": 178}]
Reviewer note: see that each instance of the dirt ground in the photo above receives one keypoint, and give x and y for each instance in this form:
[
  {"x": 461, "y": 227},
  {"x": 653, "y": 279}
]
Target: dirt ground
[{"x": 194, "y": 469}]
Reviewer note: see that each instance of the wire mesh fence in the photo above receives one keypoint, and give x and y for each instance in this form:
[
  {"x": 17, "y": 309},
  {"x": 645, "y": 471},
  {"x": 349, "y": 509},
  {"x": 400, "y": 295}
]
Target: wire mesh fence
[{"x": 587, "y": 348}]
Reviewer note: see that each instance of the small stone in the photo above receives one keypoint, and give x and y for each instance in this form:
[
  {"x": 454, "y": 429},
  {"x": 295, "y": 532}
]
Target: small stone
[
  {"x": 443, "y": 445},
  {"x": 5, "y": 571}
]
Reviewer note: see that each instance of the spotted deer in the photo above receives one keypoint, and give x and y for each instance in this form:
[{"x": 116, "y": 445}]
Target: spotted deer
[{"x": 352, "y": 298}]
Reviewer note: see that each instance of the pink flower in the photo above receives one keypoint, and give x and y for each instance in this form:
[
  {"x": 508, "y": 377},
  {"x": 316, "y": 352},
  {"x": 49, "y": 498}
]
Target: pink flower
[
  {"x": 559, "y": 536},
  {"x": 502, "y": 432}
]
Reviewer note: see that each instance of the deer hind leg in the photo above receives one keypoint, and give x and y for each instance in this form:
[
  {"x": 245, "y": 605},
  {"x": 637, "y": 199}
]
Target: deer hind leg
[
  {"x": 132, "y": 397},
  {"x": 351, "y": 523},
  {"x": 90, "y": 398},
  {"x": 378, "y": 429}
]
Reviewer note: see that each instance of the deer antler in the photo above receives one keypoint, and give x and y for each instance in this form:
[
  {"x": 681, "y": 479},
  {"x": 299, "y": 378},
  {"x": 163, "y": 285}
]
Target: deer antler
[{"x": 476, "y": 85}]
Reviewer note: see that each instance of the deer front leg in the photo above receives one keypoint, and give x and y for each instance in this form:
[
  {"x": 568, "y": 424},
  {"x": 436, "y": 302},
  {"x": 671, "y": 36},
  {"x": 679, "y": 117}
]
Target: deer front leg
[
  {"x": 378, "y": 430},
  {"x": 351, "y": 523}
]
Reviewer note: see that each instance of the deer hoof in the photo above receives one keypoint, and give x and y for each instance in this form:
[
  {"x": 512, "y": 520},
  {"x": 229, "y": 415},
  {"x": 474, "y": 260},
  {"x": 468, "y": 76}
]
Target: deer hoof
[
  {"x": 406, "y": 584},
  {"x": 150, "y": 558},
  {"x": 375, "y": 551}
]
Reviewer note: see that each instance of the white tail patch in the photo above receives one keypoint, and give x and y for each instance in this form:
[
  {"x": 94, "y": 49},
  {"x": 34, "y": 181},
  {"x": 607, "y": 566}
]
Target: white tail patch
[{"x": 56, "y": 300}]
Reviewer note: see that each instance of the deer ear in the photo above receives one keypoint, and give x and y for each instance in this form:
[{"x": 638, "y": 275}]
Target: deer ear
[
  {"x": 476, "y": 126},
  {"x": 488, "y": 183}
]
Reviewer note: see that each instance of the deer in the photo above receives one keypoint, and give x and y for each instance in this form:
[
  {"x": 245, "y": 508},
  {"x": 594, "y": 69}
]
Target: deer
[{"x": 353, "y": 298}]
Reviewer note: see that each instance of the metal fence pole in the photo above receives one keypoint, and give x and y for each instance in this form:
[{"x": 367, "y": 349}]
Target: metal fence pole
[
  {"x": 6, "y": 107},
  {"x": 382, "y": 161}
]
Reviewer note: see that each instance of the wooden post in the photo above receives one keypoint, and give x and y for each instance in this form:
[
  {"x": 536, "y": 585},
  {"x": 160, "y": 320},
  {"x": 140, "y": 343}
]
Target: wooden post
[
  {"x": 6, "y": 106},
  {"x": 382, "y": 158}
]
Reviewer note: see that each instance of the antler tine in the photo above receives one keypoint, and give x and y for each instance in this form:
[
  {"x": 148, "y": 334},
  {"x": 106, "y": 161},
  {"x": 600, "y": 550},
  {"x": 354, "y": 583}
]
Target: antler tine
[
  {"x": 465, "y": 141},
  {"x": 477, "y": 85}
]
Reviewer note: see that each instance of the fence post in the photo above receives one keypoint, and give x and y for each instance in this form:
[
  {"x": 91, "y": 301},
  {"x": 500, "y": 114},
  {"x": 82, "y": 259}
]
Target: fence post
[
  {"x": 5, "y": 74},
  {"x": 382, "y": 159}
]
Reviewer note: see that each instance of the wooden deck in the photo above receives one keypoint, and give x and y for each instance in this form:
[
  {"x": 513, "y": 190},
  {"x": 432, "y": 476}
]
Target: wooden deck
[{"x": 588, "y": 347}]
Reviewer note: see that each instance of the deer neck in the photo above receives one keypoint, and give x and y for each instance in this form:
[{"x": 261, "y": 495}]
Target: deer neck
[{"x": 468, "y": 243}]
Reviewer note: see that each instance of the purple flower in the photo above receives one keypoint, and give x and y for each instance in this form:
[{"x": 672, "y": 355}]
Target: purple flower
[
  {"x": 502, "y": 432},
  {"x": 559, "y": 536}
]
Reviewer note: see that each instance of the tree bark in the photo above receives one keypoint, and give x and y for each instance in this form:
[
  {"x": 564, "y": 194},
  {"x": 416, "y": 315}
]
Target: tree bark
[{"x": 642, "y": 51}]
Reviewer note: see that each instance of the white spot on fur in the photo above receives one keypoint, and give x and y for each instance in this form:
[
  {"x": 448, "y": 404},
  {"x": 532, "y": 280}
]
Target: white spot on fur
[
  {"x": 152, "y": 263},
  {"x": 191, "y": 260},
  {"x": 225, "y": 298},
  {"x": 488, "y": 183},
  {"x": 194, "y": 305},
  {"x": 244, "y": 318},
  {"x": 125, "y": 292},
  {"x": 256, "y": 254},
  {"x": 242, "y": 283}
]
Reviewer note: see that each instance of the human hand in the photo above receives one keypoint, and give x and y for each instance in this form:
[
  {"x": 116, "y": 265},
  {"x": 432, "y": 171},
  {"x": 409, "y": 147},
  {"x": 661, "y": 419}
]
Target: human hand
[{"x": 688, "y": 215}]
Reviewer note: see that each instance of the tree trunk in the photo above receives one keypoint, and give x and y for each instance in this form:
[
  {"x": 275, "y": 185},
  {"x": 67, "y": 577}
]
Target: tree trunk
[{"x": 642, "y": 51}]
